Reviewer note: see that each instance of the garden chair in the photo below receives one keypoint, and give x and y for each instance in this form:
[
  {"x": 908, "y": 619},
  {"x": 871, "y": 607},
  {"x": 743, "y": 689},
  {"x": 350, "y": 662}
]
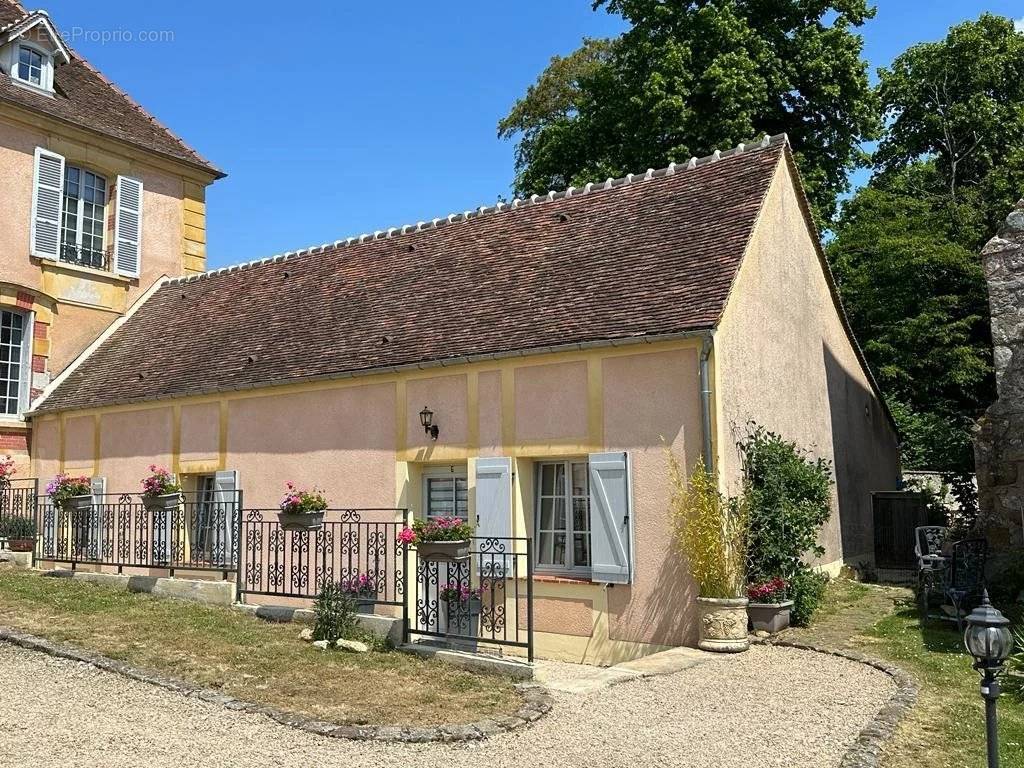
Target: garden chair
[
  {"x": 928, "y": 543},
  {"x": 965, "y": 578}
]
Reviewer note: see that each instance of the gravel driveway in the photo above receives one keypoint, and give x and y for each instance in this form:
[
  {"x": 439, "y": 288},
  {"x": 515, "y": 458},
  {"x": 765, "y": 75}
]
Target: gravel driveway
[{"x": 767, "y": 707}]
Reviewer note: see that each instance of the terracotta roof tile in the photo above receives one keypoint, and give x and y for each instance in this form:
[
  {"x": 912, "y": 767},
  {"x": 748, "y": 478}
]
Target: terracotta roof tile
[
  {"x": 646, "y": 258},
  {"x": 87, "y": 99}
]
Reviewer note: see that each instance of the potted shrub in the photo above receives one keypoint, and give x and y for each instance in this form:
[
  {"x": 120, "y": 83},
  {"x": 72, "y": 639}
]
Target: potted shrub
[
  {"x": 444, "y": 539},
  {"x": 6, "y": 472},
  {"x": 160, "y": 491},
  {"x": 301, "y": 509},
  {"x": 711, "y": 533},
  {"x": 362, "y": 590},
  {"x": 459, "y": 614},
  {"x": 20, "y": 533},
  {"x": 70, "y": 494},
  {"x": 768, "y": 608}
]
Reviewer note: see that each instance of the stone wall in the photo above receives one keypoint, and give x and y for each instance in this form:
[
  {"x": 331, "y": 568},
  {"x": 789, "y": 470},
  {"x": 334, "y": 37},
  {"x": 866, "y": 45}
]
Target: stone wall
[{"x": 999, "y": 435}]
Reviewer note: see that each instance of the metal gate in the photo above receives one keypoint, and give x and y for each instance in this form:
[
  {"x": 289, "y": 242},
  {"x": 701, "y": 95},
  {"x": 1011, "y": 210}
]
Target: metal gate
[
  {"x": 484, "y": 600},
  {"x": 896, "y": 515}
]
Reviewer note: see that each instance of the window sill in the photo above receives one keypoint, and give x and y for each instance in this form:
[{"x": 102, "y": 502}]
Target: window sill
[
  {"x": 32, "y": 87},
  {"x": 13, "y": 422},
  {"x": 554, "y": 578},
  {"x": 63, "y": 266}
]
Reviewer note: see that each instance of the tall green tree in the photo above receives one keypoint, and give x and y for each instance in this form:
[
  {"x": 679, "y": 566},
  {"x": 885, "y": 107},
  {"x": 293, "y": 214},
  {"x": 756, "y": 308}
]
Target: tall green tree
[
  {"x": 689, "y": 77},
  {"x": 949, "y": 168}
]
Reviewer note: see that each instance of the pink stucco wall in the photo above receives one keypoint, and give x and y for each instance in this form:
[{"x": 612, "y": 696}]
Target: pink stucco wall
[
  {"x": 651, "y": 402},
  {"x": 342, "y": 440},
  {"x": 200, "y": 432},
  {"x": 129, "y": 442},
  {"x": 489, "y": 412},
  {"x": 551, "y": 402}
]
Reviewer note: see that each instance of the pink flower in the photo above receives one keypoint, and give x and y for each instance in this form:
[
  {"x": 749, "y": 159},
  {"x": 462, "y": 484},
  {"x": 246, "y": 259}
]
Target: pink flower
[{"x": 407, "y": 536}]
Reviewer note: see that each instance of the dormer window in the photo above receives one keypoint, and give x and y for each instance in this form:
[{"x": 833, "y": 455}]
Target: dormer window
[
  {"x": 30, "y": 65},
  {"x": 29, "y": 51}
]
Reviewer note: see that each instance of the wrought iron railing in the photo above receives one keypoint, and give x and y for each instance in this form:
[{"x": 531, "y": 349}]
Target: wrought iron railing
[
  {"x": 197, "y": 534},
  {"x": 351, "y": 543},
  {"x": 18, "y": 498},
  {"x": 485, "y": 599},
  {"x": 85, "y": 257}
]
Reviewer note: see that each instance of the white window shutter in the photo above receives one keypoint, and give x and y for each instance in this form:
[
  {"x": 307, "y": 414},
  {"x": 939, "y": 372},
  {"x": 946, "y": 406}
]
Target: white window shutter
[
  {"x": 494, "y": 514},
  {"x": 610, "y": 519},
  {"x": 223, "y": 525},
  {"x": 98, "y": 487},
  {"x": 47, "y": 204},
  {"x": 128, "y": 227}
]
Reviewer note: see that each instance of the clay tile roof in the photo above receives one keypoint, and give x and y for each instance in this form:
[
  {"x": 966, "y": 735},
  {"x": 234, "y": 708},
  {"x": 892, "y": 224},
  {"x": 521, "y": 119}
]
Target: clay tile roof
[
  {"x": 85, "y": 98},
  {"x": 651, "y": 255}
]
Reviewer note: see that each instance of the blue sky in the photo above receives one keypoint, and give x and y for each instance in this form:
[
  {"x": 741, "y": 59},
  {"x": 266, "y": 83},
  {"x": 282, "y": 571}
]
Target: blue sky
[{"x": 336, "y": 118}]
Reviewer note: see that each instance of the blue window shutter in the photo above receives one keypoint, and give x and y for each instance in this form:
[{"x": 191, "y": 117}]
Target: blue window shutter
[
  {"x": 47, "y": 204},
  {"x": 128, "y": 227},
  {"x": 494, "y": 515},
  {"x": 610, "y": 519},
  {"x": 225, "y": 485}
]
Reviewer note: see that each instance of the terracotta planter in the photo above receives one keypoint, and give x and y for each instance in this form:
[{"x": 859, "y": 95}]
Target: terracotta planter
[
  {"x": 74, "y": 504},
  {"x": 21, "y": 545},
  {"x": 165, "y": 503},
  {"x": 723, "y": 624},
  {"x": 301, "y": 521},
  {"x": 443, "y": 551},
  {"x": 769, "y": 617}
]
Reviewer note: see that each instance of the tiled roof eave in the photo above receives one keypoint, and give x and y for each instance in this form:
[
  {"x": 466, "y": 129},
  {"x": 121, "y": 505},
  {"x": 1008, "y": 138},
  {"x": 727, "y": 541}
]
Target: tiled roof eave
[{"x": 423, "y": 365}]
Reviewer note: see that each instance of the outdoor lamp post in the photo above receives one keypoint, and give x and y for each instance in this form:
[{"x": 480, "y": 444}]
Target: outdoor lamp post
[{"x": 989, "y": 641}]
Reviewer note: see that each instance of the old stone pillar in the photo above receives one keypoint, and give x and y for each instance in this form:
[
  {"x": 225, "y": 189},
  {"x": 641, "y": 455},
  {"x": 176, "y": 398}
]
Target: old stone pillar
[{"x": 999, "y": 435}]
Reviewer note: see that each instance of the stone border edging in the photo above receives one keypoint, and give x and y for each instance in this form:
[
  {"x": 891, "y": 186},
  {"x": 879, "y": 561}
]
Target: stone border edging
[
  {"x": 867, "y": 749},
  {"x": 537, "y": 702}
]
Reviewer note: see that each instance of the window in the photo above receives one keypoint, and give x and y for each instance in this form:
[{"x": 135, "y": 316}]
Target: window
[
  {"x": 13, "y": 362},
  {"x": 84, "y": 224},
  {"x": 446, "y": 495},
  {"x": 563, "y": 515},
  {"x": 30, "y": 65}
]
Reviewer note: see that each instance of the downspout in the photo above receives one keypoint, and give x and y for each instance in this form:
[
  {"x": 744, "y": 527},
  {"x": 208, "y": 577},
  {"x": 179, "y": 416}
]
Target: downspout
[{"x": 705, "y": 399}]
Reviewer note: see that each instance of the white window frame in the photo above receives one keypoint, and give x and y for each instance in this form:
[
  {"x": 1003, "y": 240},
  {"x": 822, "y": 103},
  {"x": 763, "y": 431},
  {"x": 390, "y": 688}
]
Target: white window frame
[
  {"x": 45, "y": 83},
  {"x": 452, "y": 473},
  {"x": 570, "y": 568},
  {"x": 80, "y": 213},
  {"x": 25, "y": 382}
]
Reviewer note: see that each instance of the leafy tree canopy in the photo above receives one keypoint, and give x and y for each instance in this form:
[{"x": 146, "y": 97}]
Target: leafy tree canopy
[
  {"x": 961, "y": 102},
  {"x": 690, "y": 77}
]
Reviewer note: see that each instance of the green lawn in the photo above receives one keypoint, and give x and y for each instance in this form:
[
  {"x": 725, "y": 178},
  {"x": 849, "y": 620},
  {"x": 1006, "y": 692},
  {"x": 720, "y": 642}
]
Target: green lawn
[
  {"x": 947, "y": 727},
  {"x": 249, "y": 658}
]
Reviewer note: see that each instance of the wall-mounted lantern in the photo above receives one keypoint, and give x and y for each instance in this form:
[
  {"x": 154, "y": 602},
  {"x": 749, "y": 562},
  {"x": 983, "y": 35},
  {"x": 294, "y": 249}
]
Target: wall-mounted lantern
[{"x": 427, "y": 420}]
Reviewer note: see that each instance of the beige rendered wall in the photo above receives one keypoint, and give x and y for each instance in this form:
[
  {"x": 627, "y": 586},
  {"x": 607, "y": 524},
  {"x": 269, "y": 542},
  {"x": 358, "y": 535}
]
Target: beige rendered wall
[
  {"x": 87, "y": 300},
  {"x": 783, "y": 359},
  {"x": 361, "y": 441}
]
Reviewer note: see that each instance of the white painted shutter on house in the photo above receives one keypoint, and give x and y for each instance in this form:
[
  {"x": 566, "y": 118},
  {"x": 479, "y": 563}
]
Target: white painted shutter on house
[
  {"x": 47, "y": 204},
  {"x": 98, "y": 487},
  {"x": 494, "y": 514},
  {"x": 128, "y": 227},
  {"x": 225, "y": 485},
  {"x": 610, "y": 519}
]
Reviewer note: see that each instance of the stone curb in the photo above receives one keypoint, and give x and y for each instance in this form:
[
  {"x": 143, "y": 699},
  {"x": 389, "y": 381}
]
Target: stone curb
[
  {"x": 537, "y": 701},
  {"x": 866, "y": 752}
]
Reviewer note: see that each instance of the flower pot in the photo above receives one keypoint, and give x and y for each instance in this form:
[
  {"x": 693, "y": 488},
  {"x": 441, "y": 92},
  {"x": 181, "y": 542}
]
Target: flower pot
[
  {"x": 21, "y": 545},
  {"x": 769, "y": 617},
  {"x": 364, "y": 604},
  {"x": 74, "y": 504},
  {"x": 166, "y": 502},
  {"x": 460, "y": 622},
  {"x": 443, "y": 551},
  {"x": 723, "y": 624},
  {"x": 301, "y": 521}
]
